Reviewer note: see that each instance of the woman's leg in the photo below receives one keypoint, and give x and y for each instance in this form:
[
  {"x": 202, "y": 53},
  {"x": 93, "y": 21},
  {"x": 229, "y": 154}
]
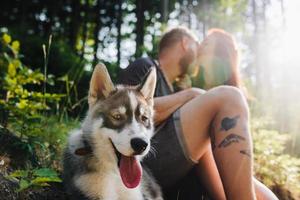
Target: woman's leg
[
  {"x": 210, "y": 179},
  {"x": 262, "y": 192},
  {"x": 209, "y": 176},
  {"x": 224, "y": 109}
]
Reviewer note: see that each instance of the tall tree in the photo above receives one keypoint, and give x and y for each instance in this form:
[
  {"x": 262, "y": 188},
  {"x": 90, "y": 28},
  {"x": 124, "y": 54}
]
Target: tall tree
[
  {"x": 75, "y": 22},
  {"x": 97, "y": 29},
  {"x": 164, "y": 10},
  {"x": 140, "y": 31},
  {"x": 119, "y": 25},
  {"x": 85, "y": 28}
]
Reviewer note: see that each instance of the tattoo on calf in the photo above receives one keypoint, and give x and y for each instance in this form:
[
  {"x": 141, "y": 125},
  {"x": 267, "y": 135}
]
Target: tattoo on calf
[
  {"x": 232, "y": 138},
  {"x": 229, "y": 123},
  {"x": 246, "y": 152}
]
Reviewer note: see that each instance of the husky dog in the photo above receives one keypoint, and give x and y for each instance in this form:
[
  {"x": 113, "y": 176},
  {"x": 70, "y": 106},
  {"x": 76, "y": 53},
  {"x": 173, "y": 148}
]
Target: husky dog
[{"x": 102, "y": 159}]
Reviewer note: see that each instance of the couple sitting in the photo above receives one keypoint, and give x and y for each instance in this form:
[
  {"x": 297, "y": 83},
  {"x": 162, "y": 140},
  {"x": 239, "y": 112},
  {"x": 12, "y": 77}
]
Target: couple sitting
[{"x": 206, "y": 131}]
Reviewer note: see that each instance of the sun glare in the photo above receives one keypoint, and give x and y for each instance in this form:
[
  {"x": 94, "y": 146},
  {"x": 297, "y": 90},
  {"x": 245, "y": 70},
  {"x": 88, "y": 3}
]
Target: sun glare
[
  {"x": 291, "y": 37},
  {"x": 284, "y": 40},
  {"x": 283, "y": 64}
]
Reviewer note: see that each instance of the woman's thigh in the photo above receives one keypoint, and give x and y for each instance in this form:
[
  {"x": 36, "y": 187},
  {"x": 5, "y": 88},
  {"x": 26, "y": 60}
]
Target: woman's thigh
[{"x": 196, "y": 117}]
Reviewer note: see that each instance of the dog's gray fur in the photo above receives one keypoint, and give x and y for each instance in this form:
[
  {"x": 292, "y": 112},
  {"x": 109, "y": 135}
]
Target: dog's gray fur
[{"x": 90, "y": 163}]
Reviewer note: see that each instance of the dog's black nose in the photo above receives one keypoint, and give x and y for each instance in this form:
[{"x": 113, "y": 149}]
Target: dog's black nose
[{"x": 138, "y": 145}]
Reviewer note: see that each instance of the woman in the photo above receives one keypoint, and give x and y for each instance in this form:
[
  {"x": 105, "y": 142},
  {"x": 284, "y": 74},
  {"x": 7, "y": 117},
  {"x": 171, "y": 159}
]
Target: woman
[
  {"x": 219, "y": 65},
  {"x": 218, "y": 60}
]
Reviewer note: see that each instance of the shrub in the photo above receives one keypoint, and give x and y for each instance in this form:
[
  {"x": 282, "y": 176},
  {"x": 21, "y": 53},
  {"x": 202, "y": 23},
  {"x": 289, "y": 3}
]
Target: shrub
[
  {"x": 18, "y": 101},
  {"x": 26, "y": 109},
  {"x": 276, "y": 169},
  {"x": 34, "y": 178}
]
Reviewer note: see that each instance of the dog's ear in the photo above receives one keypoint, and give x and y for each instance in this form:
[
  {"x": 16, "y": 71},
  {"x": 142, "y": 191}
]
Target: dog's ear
[
  {"x": 147, "y": 87},
  {"x": 101, "y": 85}
]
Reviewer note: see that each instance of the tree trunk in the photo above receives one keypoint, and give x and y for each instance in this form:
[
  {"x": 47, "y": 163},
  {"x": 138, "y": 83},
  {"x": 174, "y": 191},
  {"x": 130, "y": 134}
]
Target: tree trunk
[
  {"x": 119, "y": 24},
  {"x": 255, "y": 45},
  {"x": 96, "y": 30},
  {"x": 139, "y": 12},
  {"x": 84, "y": 29},
  {"x": 164, "y": 10},
  {"x": 75, "y": 23}
]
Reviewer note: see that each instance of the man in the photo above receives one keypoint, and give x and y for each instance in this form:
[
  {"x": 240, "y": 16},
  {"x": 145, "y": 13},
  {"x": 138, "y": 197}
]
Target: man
[{"x": 190, "y": 122}]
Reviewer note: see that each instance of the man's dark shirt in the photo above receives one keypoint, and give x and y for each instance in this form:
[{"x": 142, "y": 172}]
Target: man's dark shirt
[{"x": 136, "y": 72}]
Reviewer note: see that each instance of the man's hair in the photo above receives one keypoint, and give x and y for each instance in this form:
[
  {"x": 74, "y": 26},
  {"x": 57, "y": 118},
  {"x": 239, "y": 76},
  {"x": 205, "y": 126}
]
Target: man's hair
[{"x": 173, "y": 36}]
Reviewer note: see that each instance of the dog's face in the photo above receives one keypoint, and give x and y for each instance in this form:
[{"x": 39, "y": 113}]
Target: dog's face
[{"x": 123, "y": 115}]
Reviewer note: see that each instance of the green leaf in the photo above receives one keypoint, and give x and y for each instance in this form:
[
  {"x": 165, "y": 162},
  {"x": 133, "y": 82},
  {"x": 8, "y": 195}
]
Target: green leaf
[
  {"x": 6, "y": 38},
  {"x": 19, "y": 174},
  {"x": 22, "y": 104},
  {"x": 64, "y": 78},
  {"x": 41, "y": 180},
  {"x": 50, "y": 80},
  {"x": 15, "y": 45},
  {"x": 24, "y": 184},
  {"x": 45, "y": 172},
  {"x": 11, "y": 70}
]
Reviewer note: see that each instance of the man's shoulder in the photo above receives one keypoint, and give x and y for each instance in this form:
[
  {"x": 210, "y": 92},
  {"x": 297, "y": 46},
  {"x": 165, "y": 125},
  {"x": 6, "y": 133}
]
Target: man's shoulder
[
  {"x": 142, "y": 63},
  {"x": 135, "y": 71}
]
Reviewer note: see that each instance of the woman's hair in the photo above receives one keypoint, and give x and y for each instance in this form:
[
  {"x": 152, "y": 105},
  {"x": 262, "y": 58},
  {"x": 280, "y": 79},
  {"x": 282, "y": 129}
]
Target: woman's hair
[{"x": 225, "y": 49}]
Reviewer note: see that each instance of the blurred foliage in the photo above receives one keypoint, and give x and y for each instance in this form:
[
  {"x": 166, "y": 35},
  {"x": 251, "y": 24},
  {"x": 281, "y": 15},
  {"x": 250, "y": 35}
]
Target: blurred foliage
[
  {"x": 18, "y": 101},
  {"x": 27, "y": 110},
  {"x": 34, "y": 178},
  {"x": 46, "y": 139},
  {"x": 273, "y": 166},
  {"x": 226, "y": 14},
  {"x": 63, "y": 63}
]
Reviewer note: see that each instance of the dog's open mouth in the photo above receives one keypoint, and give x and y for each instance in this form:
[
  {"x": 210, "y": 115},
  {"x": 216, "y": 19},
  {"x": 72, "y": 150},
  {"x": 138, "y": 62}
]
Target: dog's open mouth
[{"x": 130, "y": 169}]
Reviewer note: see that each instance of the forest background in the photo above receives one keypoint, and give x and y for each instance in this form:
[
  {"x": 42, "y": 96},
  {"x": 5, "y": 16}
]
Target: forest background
[{"x": 48, "y": 50}]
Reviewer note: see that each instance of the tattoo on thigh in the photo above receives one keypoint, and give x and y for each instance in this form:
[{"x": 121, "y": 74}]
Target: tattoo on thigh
[
  {"x": 246, "y": 152},
  {"x": 232, "y": 138},
  {"x": 229, "y": 123}
]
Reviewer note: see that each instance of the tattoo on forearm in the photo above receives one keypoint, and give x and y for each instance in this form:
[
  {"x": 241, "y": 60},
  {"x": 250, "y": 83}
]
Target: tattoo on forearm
[
  {"x": 229, "y": 123},
  {"x": 246, "y": 152},
  {"x": 232, "y": 138}
]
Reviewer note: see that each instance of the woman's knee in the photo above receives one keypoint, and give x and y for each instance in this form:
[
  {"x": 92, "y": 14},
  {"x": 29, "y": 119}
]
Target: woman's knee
[
  {"x": 229, "y": 95},
  {"x": 209, "y": 103},
  {"x": 225, "y": 91}
]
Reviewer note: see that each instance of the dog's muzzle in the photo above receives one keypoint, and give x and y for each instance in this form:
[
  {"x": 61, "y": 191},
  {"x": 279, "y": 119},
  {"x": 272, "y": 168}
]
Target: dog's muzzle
[
  {"x": 129, "y": 166},
  {"x": 138, "y": 145}
]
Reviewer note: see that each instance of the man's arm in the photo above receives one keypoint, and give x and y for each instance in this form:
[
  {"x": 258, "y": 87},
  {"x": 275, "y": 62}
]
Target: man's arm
[{"x": 164, "y": 106}]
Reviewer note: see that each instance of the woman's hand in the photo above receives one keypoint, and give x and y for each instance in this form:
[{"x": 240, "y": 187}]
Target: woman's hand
[{"x": 184, "y": 82}]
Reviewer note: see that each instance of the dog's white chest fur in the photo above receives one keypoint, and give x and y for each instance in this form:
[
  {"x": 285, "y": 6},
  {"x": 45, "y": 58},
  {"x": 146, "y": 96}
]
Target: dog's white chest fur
[{"x": 106, "y": 187}]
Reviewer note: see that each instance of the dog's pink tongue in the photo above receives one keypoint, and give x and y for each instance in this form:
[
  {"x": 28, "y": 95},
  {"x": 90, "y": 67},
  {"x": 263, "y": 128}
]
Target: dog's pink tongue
[{"x": 131, "y": 171}]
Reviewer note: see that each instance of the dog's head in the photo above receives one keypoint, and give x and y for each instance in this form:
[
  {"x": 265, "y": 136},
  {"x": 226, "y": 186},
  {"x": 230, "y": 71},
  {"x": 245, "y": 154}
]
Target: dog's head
[{"x": 124, "y": 114}]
